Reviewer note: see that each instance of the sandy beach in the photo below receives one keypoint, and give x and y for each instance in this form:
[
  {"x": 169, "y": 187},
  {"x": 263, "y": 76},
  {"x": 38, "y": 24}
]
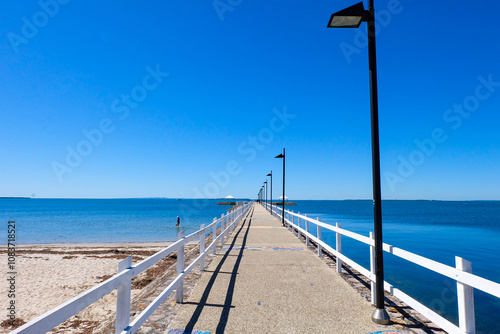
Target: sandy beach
[{"x": 49, "y": 275}]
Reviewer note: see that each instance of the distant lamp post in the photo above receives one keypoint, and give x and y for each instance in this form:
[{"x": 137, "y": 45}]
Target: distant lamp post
[
  {"x": 282, "y": 156},
  {"x": 271, "y": 198},
  {"x": 265, "y": 183},
  {"x": 352, "y": 17}
]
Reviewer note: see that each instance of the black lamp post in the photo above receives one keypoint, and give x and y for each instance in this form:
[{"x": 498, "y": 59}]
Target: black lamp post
[
  {"x": 352, "y": 17},
  {"x": 262, "y": 192},
  {"x": 265, "y": 183},
  {"x": 282, "y": 156},
  {"x": 271, "y": 198}
]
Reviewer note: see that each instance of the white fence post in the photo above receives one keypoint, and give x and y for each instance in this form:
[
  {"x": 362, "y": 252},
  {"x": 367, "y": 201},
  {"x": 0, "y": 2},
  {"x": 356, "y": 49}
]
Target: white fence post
[
  {"x": 222, "y": 223},
  {"x": 202, "y": 247},
  {"x": 372, "y": 267},
  {"x": 226, "y": 220},
  {"x": 298, "y": 223},
  {"x": 233, "y": 226},
  {"x": 320, "y": 249},
  {"x": 123, "y": 298},
  {"x": 292, "y": 219},
  {"x": 180, "y": 269},
  {"x": 307, "y": 230},
  {"x": 233, "y": 218},
  {"x": 339, "y": 248},
  {"x": 465, "y": 296},
  {"x": 214, "y": 236}
]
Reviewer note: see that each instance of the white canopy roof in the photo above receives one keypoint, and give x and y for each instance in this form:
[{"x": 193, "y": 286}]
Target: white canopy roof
[{"x": 229, "y": 197}]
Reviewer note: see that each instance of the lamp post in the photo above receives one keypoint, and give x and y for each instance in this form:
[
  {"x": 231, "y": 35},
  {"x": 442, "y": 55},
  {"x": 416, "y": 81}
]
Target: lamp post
[
  {"x": 352, "y": 17},
  {"x": 282, "y": 156},
  {"x": 266, "y": 192},
  {"x": 271, "y": 175},
  {"x": 262, "y": 191}
]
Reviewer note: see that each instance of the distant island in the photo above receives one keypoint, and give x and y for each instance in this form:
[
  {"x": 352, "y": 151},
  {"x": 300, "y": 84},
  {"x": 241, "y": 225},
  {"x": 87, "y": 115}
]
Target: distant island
[{"x": 15, "y": 197}]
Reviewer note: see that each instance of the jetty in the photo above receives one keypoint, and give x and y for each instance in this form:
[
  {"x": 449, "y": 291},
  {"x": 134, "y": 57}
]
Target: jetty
[{"x": 267, "y": 281}]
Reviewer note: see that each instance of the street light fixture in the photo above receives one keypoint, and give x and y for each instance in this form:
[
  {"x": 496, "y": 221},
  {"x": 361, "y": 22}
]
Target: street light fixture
[
  {"x": 271, "y": 175},
  {"x": 282, "y": 156},
  {"x": 352, "y": 17}
]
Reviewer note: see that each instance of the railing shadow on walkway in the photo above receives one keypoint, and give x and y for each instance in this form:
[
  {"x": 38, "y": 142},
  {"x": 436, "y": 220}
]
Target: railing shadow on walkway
[{"x": 230, "y": 290}]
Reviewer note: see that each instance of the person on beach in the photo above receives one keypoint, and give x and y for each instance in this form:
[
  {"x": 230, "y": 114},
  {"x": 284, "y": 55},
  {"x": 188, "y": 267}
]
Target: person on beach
[{"x": 178, "y": 222}]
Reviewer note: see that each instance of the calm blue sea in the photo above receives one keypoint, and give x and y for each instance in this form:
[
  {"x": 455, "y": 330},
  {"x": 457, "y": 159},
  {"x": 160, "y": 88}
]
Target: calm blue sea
[
  {"x": 438, "y": 230},
  {"x": 43, "y": 221}
]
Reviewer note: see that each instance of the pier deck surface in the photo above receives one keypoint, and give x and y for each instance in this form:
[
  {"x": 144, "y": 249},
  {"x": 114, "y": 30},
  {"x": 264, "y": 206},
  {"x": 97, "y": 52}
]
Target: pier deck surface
[{"x": 266, "y": 281}]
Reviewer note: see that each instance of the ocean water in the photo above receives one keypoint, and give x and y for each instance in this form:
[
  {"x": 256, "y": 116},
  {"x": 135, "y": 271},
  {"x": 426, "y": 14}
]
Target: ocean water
[
  {"x": 45, "y": 221},
  {"x": 438, "y": 230}
]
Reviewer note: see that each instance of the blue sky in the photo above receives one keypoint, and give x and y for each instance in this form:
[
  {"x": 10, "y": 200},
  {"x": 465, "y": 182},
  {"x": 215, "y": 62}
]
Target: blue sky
[{"x": 185, "y": 99}]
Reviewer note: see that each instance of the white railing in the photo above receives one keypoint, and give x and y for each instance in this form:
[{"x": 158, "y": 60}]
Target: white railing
[
  {"x": 461, "y": 273},
  {"x": 122, "y": 281}
]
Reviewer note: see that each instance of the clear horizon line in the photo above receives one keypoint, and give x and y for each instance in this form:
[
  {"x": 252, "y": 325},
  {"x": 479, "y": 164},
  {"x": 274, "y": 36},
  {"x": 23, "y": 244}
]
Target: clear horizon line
[{"x": 252, "y": 199}]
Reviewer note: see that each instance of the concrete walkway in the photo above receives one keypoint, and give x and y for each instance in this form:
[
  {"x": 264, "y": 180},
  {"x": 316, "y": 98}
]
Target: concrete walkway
[{"x": 266, "y": 281}]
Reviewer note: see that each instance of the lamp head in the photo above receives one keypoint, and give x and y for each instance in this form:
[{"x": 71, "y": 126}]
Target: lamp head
[{"x": 351, "y": 17}]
